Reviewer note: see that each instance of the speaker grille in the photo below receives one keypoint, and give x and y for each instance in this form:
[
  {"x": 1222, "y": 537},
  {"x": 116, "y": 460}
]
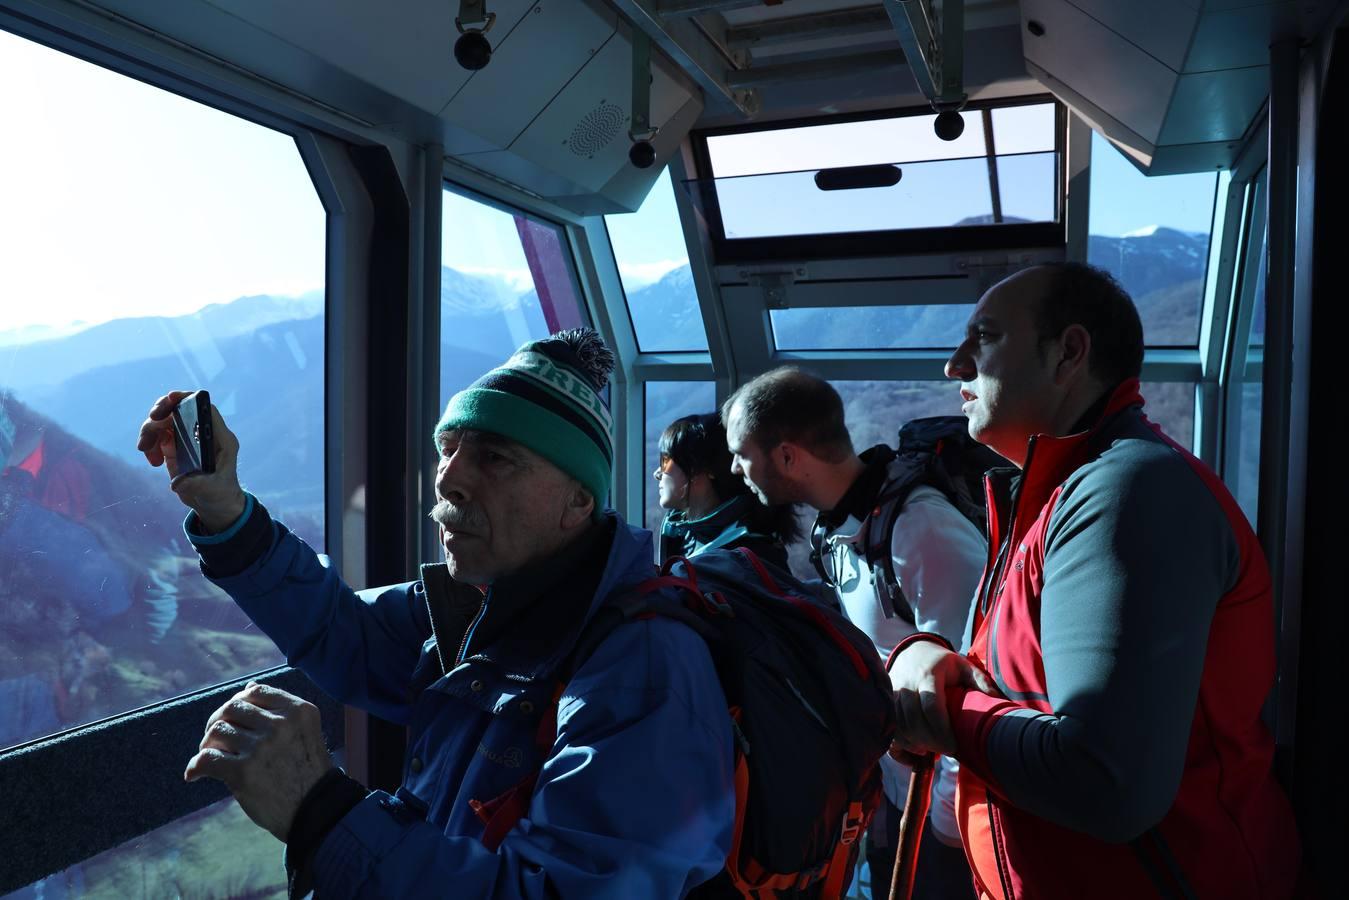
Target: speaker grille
[{"x": 600, "y": 126}]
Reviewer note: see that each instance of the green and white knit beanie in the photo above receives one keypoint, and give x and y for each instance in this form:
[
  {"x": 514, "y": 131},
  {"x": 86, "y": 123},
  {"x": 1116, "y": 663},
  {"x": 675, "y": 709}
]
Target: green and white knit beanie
[{"x": 547, "y": 397}]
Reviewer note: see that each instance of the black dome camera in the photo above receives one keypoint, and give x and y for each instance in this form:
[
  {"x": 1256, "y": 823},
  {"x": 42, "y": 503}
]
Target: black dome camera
[
  {"x": 472, "y": 51},
  {"x": 642, "y": 155},
  {"x": 949, "y": 125}
]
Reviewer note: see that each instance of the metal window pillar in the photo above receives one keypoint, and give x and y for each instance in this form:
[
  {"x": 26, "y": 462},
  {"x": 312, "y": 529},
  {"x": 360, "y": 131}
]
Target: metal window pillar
[{"x": 1279, "y": 518}]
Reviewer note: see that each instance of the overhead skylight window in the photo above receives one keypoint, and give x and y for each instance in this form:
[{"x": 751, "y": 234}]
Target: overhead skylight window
[{"x": 808, "y": 181}]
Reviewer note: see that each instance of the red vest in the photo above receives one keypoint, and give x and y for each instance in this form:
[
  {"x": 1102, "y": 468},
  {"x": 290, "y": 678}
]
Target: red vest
[{"x": 1230, "y": 832}]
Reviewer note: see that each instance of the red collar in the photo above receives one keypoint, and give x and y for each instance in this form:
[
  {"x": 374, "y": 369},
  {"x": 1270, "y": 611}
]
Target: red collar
[{"x": 1050, "y": 459}]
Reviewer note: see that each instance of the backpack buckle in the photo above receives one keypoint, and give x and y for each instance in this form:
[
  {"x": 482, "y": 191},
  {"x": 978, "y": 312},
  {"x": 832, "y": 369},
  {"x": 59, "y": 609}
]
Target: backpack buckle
[
  {"x": 854, "y": 820},
  {"x": 716, "y": 604}
]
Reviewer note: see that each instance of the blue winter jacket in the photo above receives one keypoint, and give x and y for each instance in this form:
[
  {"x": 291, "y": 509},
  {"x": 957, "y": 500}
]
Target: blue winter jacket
[{"x": 635, "y": 797}]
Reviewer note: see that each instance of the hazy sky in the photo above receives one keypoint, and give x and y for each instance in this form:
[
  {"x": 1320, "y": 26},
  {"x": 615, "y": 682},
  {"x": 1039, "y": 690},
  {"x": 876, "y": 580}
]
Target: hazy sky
[{"x": 119, "y": 199}]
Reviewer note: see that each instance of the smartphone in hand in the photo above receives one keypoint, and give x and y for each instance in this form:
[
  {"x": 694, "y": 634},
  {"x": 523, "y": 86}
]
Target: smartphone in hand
[{"x": 193, "y": 436}]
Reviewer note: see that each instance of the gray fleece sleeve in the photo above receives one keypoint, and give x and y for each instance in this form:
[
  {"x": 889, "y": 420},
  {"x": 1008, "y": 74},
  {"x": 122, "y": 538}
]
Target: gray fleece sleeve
[{"x": 1137, "y": 554}]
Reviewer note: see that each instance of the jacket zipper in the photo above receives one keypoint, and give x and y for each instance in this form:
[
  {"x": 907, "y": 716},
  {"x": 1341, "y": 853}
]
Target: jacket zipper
[
  {"x": 463, "y": 642},
  {"x": 1000, "y": 563},
  {"x": 997, "y": 850}
]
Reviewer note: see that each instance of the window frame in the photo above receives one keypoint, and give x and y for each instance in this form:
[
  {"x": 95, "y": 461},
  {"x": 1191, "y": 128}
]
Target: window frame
[
  {"x": 847, "y": 245},
  {"x": 143, "y": 751}
]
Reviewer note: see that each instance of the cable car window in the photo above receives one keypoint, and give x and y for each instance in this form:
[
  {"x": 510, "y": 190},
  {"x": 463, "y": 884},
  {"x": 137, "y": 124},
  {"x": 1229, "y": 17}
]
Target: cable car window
[
  {"x": 214, "y": 852},
  {"x": 1251, "y": 392},
  {"x": 653, "y": 264},
  {"x": 827, "y": 179},
  {"x": 1153, "y": 235},
  {"x": 875, "y": 410},
  {"x": 665, "y": 402},
  {"x": 1170, "y": 404},
  {"x": 870, "y": 327},
  {"x": 193, "y": 259},
  {"x": 505, "y": 279}
]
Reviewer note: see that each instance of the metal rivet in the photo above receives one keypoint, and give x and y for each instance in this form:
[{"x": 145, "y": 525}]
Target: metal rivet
[{"x": 476, "y": 686}]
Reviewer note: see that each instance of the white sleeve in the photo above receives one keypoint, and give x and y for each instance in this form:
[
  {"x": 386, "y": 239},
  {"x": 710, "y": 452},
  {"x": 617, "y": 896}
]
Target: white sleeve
[{"x": 938, "y": 557}]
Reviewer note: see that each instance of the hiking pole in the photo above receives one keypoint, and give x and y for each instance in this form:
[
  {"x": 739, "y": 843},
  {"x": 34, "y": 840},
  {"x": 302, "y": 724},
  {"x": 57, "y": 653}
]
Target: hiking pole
[{"x": 911, "y": 823}]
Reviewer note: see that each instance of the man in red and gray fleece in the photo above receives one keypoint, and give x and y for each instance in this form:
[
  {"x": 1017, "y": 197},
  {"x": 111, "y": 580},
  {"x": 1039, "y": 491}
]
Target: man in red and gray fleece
[{"x": 1107, "y": 714}]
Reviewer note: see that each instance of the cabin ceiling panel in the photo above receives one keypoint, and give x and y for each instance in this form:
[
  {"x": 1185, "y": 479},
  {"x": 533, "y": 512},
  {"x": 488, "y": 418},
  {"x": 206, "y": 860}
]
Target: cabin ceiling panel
[
  {"x": 528, "y": 69},
  {"x": 1101, "y": 66},
  {"x": 401, "y": 46},
  {"x": 1160, "y": 28},
  {"x": 1215, "y": 106},
  {"x": 1217, "y": 52},
  {"x": 1237, "y": 38}
]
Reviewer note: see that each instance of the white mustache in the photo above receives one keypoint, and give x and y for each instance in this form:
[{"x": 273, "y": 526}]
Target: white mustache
[{"x": 456, "y": 518}]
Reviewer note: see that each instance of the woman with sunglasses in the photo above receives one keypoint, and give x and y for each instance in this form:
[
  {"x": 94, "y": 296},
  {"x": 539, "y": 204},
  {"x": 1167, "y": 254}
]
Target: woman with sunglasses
[{"x": 709, "y": 508}]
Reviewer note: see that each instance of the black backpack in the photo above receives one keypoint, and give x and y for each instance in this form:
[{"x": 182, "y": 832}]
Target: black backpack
[
  {"x": 937, "y": 452},
  {"x": 811, "y": 711}
]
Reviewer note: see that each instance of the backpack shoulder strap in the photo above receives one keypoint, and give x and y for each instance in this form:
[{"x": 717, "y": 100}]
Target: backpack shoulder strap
[{"x": 905, "y": 473}]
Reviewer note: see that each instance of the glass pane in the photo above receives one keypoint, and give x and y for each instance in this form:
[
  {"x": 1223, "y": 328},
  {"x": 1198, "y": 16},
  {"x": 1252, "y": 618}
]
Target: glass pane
[
  {"x": 765, "y": 180},
  {"x": 953, "y": 192},
  {"x": 198, "y": 262},
  {"x": 1027, "y": 187},
  {"x": 875, "y": 410},
  {"x": 665, "y": 402},
  {"x": 1171, "y": 405},
  {"x": 216, "y": 852},
  {"x": 907, "y": 139},
  {"x": 1153, "y": 235},
  {"x": 1247, "y": 487},
  {"x": 1257, "y": 341},
  {"x": 871, "y": 327},
  {"x": 505, "y": 280},
  {"x": 653, "y": 264},
  {"x": 1023, "y": 129}
]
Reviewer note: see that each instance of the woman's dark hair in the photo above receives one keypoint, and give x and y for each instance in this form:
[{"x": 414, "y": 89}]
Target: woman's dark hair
[{"x": 697, "y": 444}]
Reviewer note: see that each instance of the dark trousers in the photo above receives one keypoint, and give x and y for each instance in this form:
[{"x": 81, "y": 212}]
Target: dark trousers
[{"x": 943, "y": 873}]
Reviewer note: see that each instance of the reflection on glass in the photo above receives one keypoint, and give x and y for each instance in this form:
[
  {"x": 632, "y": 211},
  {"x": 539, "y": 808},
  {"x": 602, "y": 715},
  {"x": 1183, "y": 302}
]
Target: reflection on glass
[
  {"x": 1171, "y": 405},
  {"x": 653, "y": 264},
  {"x": 907, "y": 139},
  {"x": 214, "y": 854},
  {"x": 665, "y": 402},
  {"x": 871, "y": 327},
  {"x": 1153, "y": 235},
  {"x": 197, "y": 263},
  {"x": 954, "y": 192},
  {"x": 505, "y": 280}
]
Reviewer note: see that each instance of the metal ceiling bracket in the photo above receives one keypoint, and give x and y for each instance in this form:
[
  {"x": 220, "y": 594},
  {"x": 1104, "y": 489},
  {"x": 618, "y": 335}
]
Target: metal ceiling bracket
[
  {"x": 641, "y": 129},
  {"x": 776, "y": 286},
  {"x": 474, "y": 12},
  {"x": 934, "y": 44},
  {"x": 699, "y": 53}
]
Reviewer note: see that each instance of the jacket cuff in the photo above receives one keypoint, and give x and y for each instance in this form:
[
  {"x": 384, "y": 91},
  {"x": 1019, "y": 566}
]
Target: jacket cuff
[
  {"x": 327, "y": 802},
  {"x": 237, "y": 547},
  {"x": 973, "y": 715},
  {"x": 915, "y": 638}
]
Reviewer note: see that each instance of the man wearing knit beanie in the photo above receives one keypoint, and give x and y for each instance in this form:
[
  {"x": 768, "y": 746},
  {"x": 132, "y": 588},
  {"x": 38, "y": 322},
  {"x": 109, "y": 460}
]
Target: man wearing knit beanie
[{"x": 632, "y": 793}]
